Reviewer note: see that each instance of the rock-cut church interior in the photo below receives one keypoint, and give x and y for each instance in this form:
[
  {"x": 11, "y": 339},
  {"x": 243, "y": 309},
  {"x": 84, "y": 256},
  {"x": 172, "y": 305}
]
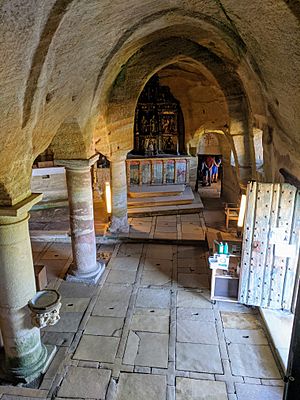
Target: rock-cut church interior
[{"x": 149, "y": 200}]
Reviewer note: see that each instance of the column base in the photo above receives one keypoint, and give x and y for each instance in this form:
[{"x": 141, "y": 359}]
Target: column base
[
  {"x": 27, "y": 373},
  {"x": 119, "y": 225},
  {"x": 90, "y": 279}
]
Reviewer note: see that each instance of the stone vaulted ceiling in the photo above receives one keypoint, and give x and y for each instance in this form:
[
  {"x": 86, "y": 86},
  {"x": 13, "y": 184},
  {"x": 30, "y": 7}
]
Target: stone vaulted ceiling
[{"x": 61, "y": 60}]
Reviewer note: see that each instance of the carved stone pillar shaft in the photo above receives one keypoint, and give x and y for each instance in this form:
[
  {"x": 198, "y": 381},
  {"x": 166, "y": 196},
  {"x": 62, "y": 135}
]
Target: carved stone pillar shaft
[
  {"x": 119, "y": 217},
  {"x": 85, "y": 267},
  {"x": 24, "y": 355}
]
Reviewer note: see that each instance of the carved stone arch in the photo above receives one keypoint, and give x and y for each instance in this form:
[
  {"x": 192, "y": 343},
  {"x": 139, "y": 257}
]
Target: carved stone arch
[
  {"x": 55, "y": 16},
  {"x": 119, "y": 116},
  {"x": 70, "y": 142}
]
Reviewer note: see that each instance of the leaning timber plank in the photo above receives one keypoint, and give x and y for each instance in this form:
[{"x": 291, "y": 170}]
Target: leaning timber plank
[
  {"x": 285, "y": 220},
  {"x": 292, "y": 271},
  {"x": 270, "y": 247},
  {"x": 247, "y": 244},
  {"x": 260, "y": 242}
]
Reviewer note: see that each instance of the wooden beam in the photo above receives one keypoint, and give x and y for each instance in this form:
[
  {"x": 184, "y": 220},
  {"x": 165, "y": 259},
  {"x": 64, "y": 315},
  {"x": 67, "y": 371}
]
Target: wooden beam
[{"x": 289, "y": 178}]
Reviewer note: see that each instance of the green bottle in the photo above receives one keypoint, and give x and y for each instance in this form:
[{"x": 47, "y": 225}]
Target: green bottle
[
  {"x": 221, "y": 248},
  {"x": 225, "y": 248}
]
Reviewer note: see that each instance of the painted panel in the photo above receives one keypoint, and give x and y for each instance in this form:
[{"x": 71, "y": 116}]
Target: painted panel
[
  {"x": 134, "y": 173},
  {"x": 146, "y": 172},
  {"x": 180, "y": 171},
  {"x": 157, "y": 172},
  {"x": 170, "y": 169}
]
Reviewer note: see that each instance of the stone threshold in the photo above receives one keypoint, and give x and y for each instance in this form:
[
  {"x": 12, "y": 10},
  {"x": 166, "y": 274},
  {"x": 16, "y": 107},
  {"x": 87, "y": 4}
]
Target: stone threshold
[{"x": 279, "y": 325}]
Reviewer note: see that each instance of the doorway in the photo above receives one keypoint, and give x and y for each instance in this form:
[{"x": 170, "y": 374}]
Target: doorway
[{"x": 209, "y": 175}]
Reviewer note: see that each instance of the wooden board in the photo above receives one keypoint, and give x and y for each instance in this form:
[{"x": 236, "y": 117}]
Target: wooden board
[{"x": 270, "y": 246}]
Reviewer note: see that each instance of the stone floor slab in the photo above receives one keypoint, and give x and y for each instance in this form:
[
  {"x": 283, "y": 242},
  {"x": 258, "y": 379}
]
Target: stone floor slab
[
  {"x": 226, "y": 306},
  {"x": 58, "y": 338},
  {"x": 156, "y": 264},
  {"x": 104, "y": 326},
  {"x": 193, "y": 280},
  {"x": 165, "y": 236},
  {"x": 197, "y": 263},
  {"x": 69, "y": 322},
  {"x": 197, "y": 332},
  {"x": 189, "y": 227},
  {"x": 153, "y": 350},
  {"x": 150, "y": 323},
  {"x": 131, "y": 349},
  {"x": 38, "y": 246},
  {"x": 85, "y": 383},
  {"x": 162, "y": 251},
  {"x": 195, "y": 314},
  {"x": 192, "y": 389},
  {"x": 71, "y": 289},
  {"x": 253, "y": 361},
  {"x": 124, "y": 263},
  {"x": 57, "y": 253},
  {"x": 189, "y": 217},
  {"x": 158, "y": 312},
  {"x": 188, "y": 252},
  {"x": 112, "y": 301},
  {"x": 186, "y": 298},
  {"x": 233, "y": 320},
  {"x": 166, "y": 228},
  {"x": 198, "y": 358},
  {"x": 97, "y": 348},
  {"x": 244, "y": 336},
  {"x": 121, "y": 277},
  {"x": 156, "y": 298},
  {"x": 251, "y": 392},
  {"x": 73, "y": 304},
  {"x": 130, "y": 249},
  {"x": 156, "y": 278},
  {"x": 141, "y": 386}
]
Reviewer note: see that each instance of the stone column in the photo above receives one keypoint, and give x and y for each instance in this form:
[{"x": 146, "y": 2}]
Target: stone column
[
  {"x": 85, "y": 267},
  {"x": 119, "y": 217},
  {"x": 24, "y": 355}
]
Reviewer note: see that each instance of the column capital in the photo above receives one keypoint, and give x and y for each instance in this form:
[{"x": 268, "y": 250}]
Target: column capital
[
  {"x": 22, "y": 207},
  {"x": 77, "y": 164},
  {"x": 118, "y": 157}
]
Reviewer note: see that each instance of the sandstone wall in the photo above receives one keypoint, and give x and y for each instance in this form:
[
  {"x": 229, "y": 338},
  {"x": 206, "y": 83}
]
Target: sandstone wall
[{"x": 61, "y": 61}]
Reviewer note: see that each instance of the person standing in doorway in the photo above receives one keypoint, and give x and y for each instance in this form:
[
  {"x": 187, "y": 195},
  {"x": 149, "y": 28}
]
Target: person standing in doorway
[
  {"x": 215, "y": 170},
  {"x": 206, "y": 170}
]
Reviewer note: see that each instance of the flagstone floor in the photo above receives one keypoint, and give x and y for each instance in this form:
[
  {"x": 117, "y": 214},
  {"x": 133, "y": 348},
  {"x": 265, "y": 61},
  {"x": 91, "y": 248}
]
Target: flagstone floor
[
  {"x": 148, "y": 331},
  {"x": 184, "y": 227}
]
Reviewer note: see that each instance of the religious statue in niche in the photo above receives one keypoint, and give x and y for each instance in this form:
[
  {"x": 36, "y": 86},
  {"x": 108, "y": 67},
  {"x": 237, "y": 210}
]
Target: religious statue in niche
[
  {"x": 165, "y": 125},
  {"x": 150, "y": 146},
  {"x": 152, "y": 125},
  {"x": 168, "y": 124},
  {"x": 144, "y": 125},
  {"x": 169, "y": 144}
]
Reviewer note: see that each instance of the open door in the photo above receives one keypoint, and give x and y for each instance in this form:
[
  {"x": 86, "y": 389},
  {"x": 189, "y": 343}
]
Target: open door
[{"x": 270, "y": 246}]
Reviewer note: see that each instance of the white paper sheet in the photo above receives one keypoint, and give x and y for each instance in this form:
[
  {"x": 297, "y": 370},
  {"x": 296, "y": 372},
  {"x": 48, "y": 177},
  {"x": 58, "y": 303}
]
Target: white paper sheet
[{"x": 285, "y": 250}]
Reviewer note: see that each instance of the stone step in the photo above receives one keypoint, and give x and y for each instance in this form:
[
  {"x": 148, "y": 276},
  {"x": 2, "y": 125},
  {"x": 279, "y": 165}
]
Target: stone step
[
  {"x": 187, "y": 197},
  {"x": 155, "y": 190},
  {"x": 195, "y": 207}
]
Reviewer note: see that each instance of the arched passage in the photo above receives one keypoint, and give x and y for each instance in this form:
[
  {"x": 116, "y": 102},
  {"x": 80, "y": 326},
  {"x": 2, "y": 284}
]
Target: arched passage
[
  {"x": 114, "y": 133},
  {"x": 128, "y": 85}
]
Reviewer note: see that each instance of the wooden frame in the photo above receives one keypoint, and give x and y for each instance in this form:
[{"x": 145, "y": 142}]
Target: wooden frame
[{"x": 231, "y": 213}]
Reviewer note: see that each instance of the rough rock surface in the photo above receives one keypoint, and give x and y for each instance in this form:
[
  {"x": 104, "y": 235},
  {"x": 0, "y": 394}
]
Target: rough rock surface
[{"x": 66, "y": 64}]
